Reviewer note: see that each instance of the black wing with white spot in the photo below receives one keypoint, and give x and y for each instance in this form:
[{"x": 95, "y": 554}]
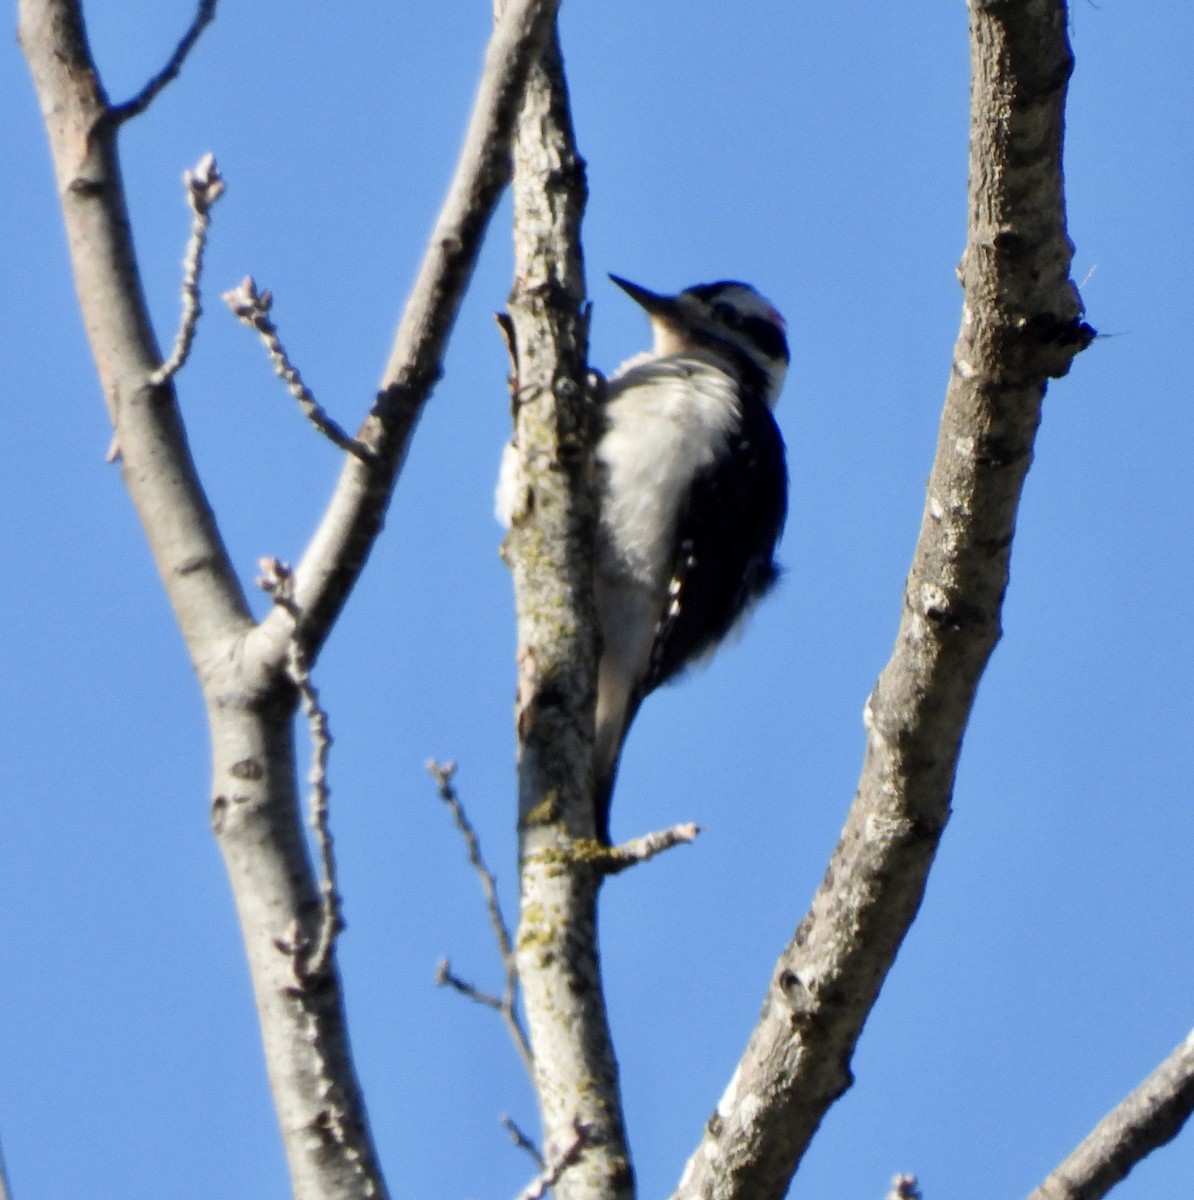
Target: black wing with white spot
[{"x": 725, "y": 545}]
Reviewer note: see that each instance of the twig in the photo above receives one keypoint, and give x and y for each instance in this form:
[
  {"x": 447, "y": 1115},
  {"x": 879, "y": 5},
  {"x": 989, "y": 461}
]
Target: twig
[
  {"x": 251, "y": 308},
  {"x": 558, "y": 1161},
  {"x": 521, "y": 1140},
  {"x": 205, "y": 186},
  {"x": 641, "y": 849},
  {"x": 446, "y": 977},
  {"x": 443, "y": 774},
  {"x": 336, "y": 554},
  {"x": 507, "y": 1005},
  {"x": 1147, "y": 1118},
  {"x": 904, "y": 1187},
  {"x": 270, "y": 870},
  {"x": 204, "y": 15},
  {"x": 278, "y": 580}
]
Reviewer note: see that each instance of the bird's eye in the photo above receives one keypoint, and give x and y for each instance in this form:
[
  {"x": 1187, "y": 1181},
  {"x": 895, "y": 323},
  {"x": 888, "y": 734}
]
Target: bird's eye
[{"x": 727, "y": 314}]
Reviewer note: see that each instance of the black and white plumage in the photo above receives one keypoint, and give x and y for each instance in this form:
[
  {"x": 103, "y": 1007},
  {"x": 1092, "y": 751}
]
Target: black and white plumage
[{"x": 692, "y": 496}]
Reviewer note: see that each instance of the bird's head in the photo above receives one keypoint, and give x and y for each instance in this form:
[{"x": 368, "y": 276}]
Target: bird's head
[{"x": 727, "y": 318}]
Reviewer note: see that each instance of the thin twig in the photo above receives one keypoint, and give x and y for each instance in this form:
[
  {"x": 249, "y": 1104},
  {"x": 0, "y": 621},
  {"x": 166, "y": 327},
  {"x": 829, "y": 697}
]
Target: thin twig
[
  {"x": 1147, "y": 1118},
  {"x": 521, "y": 1140},
  {"x": 443, "y": 774},
  {"x": 641, "y": 849},
  {"x": 507, "y": 1005},
  {"x": 251, "y": 307},
  {"x": 204, "y": 15},
  {"x": 335, "y": 556},
  {"x": 278, "y": 580},
  {"x": 446, "y": 977},
  {"x": 205, "y": 186},
  {"x": 558, "y": 1161}
]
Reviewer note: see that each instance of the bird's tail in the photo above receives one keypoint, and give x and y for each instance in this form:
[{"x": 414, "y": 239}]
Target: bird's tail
[{"x": 608, "y": 740}]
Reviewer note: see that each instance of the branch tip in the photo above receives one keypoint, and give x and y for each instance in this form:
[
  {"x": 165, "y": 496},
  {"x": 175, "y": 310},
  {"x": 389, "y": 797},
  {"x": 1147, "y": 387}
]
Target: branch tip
[
  {"x": 507, "y": 1003},
  {"x": 904, "y": 1187},
  {"x": 205, "y": 185},
  {"x": 252, "y": 308},
  {"x": 519, "y": 1139},
  {"x": 642, "y": 849},
  {"x": 446, "y": 977}
]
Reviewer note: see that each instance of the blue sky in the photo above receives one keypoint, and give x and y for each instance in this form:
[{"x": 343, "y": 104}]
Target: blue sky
[{"x": 821, "y": 154}]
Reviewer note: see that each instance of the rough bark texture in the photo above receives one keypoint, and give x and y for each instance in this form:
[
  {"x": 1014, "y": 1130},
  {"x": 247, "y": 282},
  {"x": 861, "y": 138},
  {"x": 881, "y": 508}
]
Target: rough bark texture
[
  {"x": 1020, "y": 326},
  {"x": 1151, "y": 1116},
  {"x": 549, "y": 550},
  {"x": 243, "y": 668}
]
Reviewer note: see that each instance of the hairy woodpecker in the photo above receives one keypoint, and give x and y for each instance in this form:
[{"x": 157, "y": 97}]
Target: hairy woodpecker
[{"x": 693, "y": 492}]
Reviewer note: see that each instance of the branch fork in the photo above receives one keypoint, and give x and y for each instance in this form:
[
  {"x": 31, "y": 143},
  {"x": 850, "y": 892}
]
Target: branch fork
[
  {"x": 506, "y": 1004},
  {"x": 312, "y": 959}
]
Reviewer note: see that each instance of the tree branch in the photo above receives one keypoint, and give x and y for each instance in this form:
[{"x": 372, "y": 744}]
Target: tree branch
[
  {"x": 252, "y": 307},
  {"x": 333, "y": 560},
  {"x": 507, "y": 1003},
  {"x": 643, "y": 849},
  {"x": 1148, "y": 1118},
  {"x": 204, "y": 15},
  {"x": 549, "y": 551},
  {"x": 205, "y": 186},
  {"x": 243, "y": 668},
  {"x": 314, "y": 961},
  {"x": 517, "y": 1136},
  {"x": 1021, "y": 326},
  {"x": 559, "y": 1159},
  {"x": 156, "y": 463}
]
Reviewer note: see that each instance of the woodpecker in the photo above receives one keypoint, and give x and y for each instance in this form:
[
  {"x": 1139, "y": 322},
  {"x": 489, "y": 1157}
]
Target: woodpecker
[{"x": 692, "y": 496}]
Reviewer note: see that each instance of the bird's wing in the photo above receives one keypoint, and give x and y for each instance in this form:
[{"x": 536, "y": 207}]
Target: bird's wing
[{"x": 725, "y": 542}]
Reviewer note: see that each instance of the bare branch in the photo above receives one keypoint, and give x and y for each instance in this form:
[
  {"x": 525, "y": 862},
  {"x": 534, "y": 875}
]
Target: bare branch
[
  {"x": 340, "y": 547},
  {"x": 252, "y": 308},
  {"x": 277, "y": 580},
  {"x": 517, "y": 1136},
  {"x": 204, "y": 15},
  {"x": 507, "y": 1005},
  {"x": 205, "y": 186},
  {"x": 156, "y": 463},
  {"x": 446, "y": 977},
  {"x": 444, "y": 774},
  {"x": 558, "y": 1160},
  {"x": 1148, "y": 1118},
  {"x": 244, "y": 669},
  {"x": 642, "y": 849},
  {"x": 549, "y": 550},
  {"x": 1021, "y": 326}
]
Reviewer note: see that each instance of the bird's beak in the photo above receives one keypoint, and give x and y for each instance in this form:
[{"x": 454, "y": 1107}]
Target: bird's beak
[{"x": 653, "y": 303}]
